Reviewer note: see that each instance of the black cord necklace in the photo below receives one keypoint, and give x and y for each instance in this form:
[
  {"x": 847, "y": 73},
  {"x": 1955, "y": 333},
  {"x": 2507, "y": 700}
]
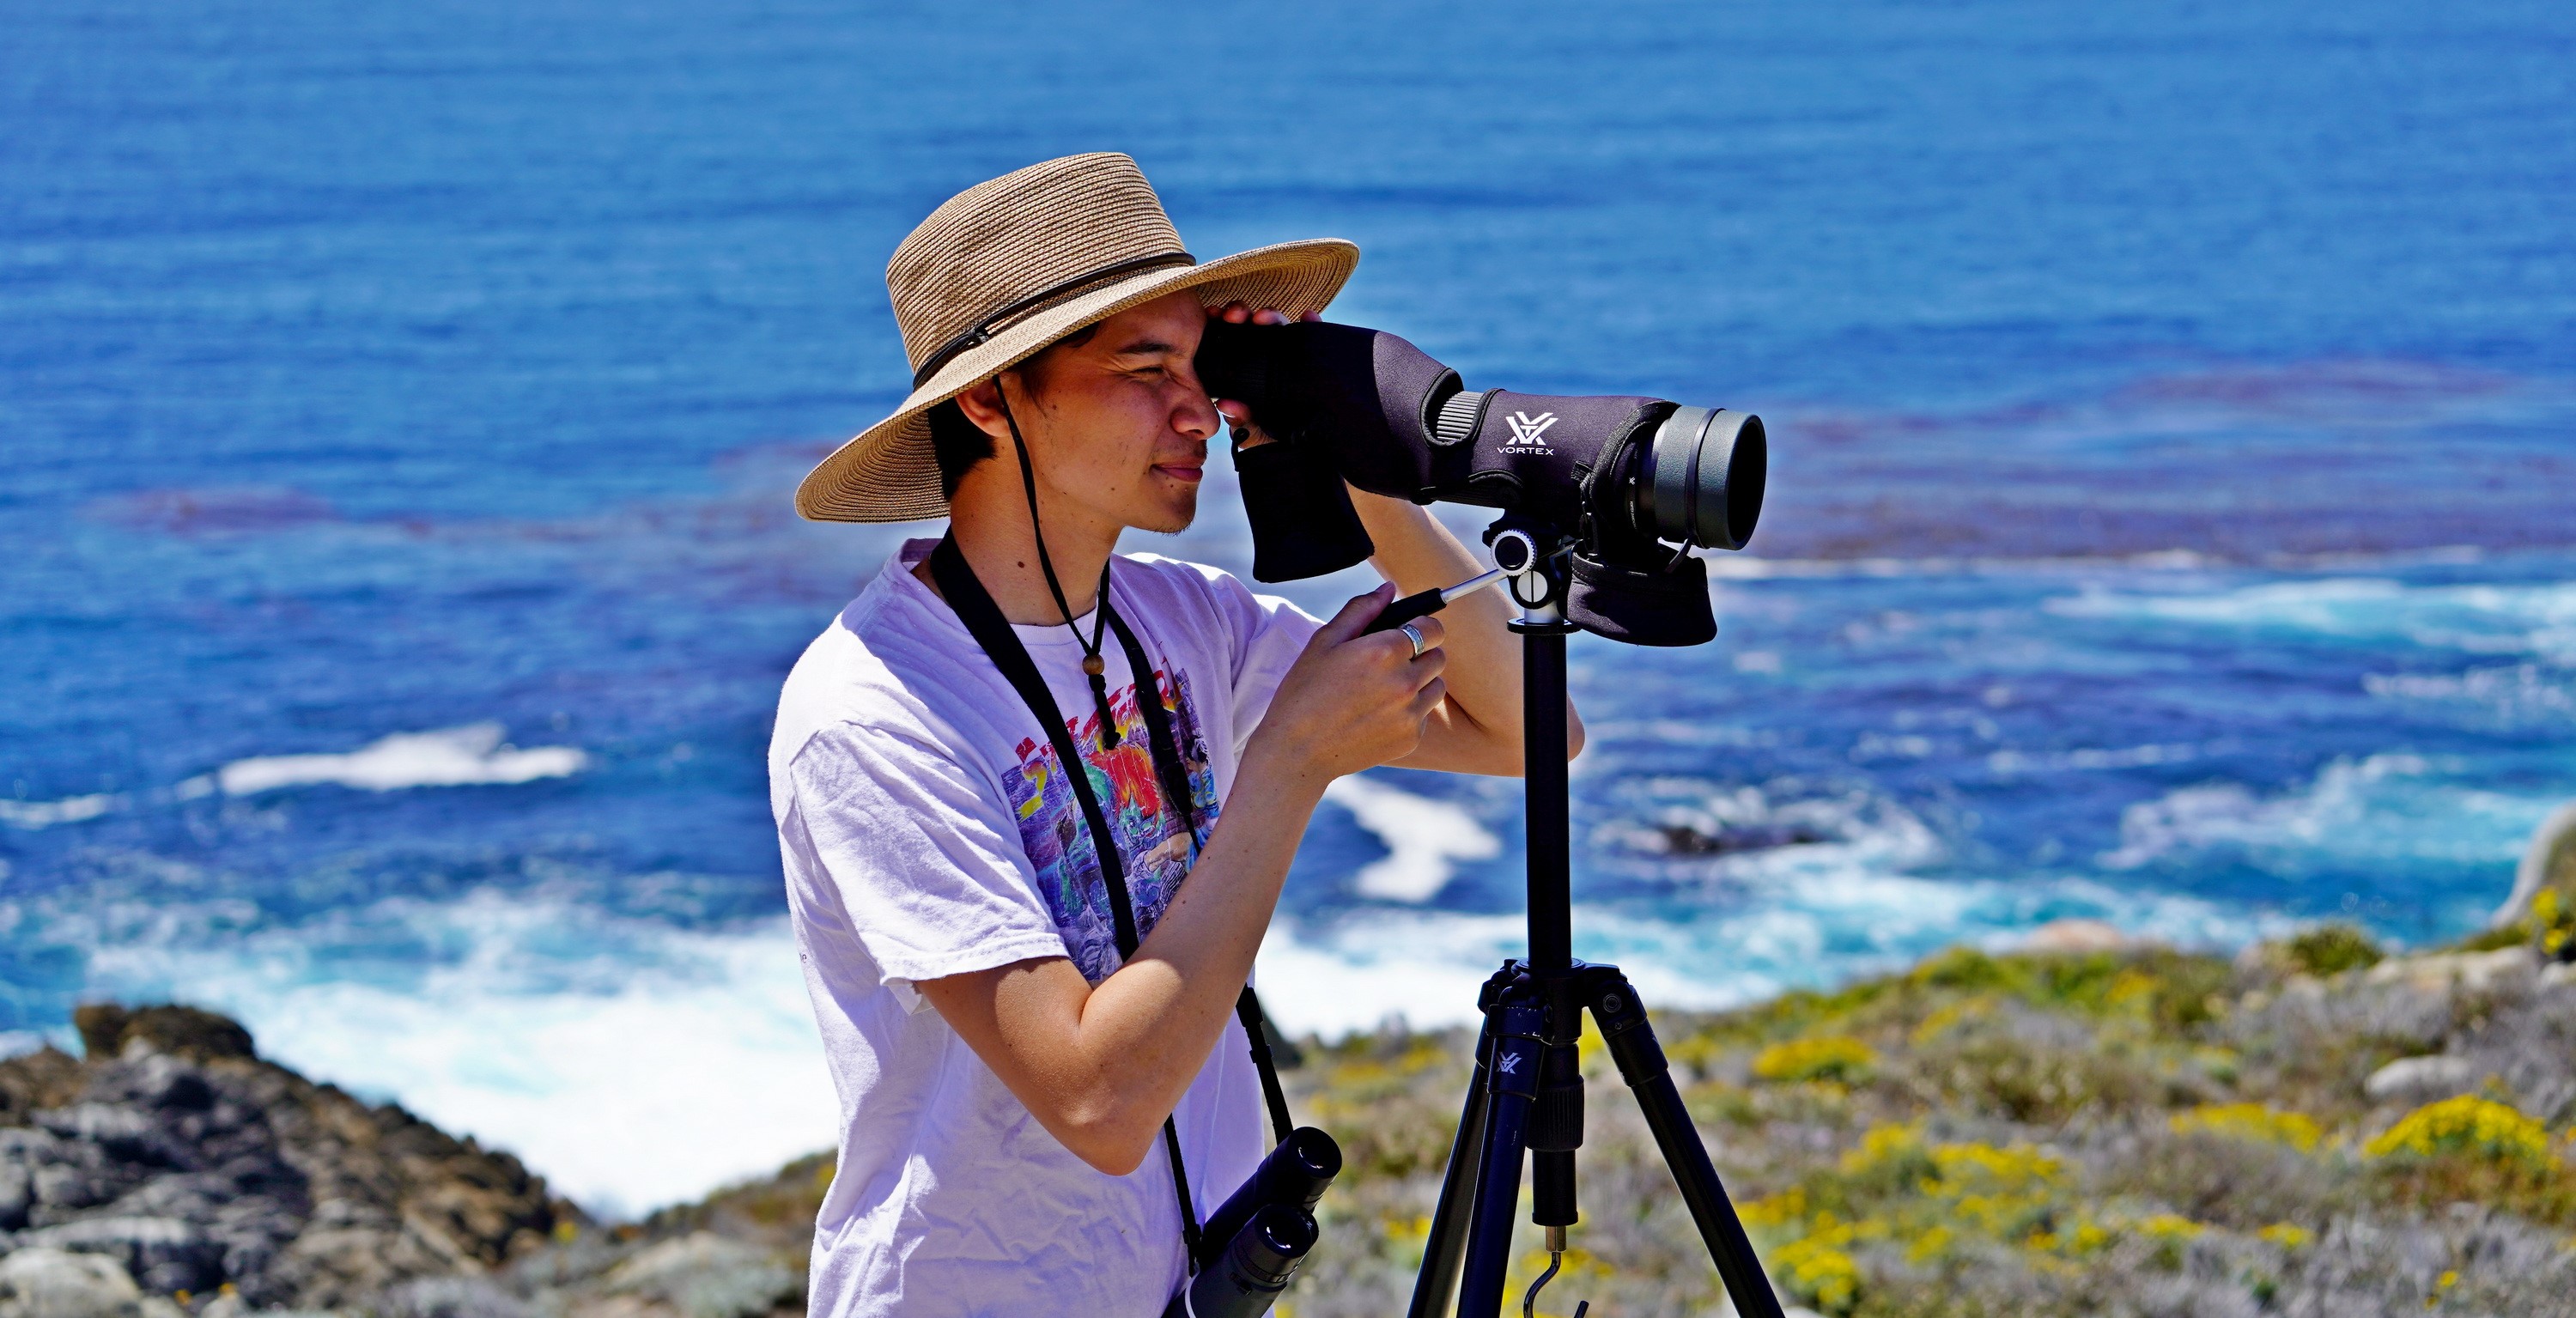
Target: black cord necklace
[{"x": 1093, "y": 666}]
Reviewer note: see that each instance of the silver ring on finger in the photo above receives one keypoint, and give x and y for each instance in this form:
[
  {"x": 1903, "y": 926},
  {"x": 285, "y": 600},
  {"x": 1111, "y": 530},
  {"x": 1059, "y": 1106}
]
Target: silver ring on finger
[{"x": 1413, "y": 634}]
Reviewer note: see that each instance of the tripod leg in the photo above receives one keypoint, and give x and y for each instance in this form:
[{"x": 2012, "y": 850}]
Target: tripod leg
[
  {"x": 1641, "y": 1064},
  {"x": 1447, "y": 1243},
  {"x": 1513, "y": 1089}
]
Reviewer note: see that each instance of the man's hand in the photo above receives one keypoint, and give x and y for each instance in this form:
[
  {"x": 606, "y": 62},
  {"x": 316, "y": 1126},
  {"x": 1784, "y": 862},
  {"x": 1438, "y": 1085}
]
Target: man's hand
[
  {"x": 1238, "y": 415},
  {"x": 1350, "y": 702},
  {"x": 1476, "y": 726}
]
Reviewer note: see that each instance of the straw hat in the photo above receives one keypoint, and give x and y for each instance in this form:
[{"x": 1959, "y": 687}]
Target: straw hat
[{"x": 1007, "y": 267}]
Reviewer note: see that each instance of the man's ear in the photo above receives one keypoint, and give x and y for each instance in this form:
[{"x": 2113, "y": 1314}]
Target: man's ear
[{"x": 982, "y": 405}]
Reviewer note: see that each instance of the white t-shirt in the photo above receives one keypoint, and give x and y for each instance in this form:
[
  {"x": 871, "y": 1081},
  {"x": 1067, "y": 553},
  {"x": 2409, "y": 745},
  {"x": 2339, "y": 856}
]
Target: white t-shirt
[{"x": 926, "y": 833}]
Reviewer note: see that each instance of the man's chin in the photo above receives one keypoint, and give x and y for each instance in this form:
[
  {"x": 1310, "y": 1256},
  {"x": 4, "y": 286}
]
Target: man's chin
[{"x": 1172, "y": 518}]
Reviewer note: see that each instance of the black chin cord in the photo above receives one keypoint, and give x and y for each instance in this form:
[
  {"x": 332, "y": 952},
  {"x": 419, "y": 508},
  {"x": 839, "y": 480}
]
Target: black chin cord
[{"x": 1093, "y": 666}]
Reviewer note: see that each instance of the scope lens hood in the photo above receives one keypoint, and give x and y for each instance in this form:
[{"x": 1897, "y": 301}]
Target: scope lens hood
[{"x": 1705, "y": 469}]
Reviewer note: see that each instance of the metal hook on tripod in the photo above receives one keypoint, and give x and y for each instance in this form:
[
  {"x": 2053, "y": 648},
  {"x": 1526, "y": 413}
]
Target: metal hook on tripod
[{"x": 1555, "y": 1261}]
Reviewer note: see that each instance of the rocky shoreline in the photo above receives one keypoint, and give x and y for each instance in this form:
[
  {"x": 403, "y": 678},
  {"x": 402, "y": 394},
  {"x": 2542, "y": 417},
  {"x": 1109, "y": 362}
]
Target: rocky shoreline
[
  {"x": 172, "y": 1172},
  {"x": 2088, "y": 1127}
]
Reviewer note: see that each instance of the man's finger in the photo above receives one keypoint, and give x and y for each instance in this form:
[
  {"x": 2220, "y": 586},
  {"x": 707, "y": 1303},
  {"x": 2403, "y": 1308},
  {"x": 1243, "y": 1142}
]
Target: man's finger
[
  {"x": 1359, "y": 613},
  {"x": 1431, "y": 631},
  {"x": 1428, "y": 698}
]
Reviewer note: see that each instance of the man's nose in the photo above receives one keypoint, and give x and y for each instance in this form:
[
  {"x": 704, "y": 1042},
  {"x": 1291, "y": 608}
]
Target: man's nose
[{"x": 1196, "y": 414}]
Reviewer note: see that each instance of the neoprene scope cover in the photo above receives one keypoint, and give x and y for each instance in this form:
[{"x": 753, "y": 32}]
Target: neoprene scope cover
[{"x": 1620, "y": 474}]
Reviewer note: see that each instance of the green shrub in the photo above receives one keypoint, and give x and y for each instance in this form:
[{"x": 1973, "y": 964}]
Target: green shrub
[{"x": 2331, "y": 949}]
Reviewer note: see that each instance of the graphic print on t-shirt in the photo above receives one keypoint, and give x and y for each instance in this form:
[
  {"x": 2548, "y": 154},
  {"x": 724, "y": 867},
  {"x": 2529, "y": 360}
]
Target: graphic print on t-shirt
[{"x": 1156, "y": 852}]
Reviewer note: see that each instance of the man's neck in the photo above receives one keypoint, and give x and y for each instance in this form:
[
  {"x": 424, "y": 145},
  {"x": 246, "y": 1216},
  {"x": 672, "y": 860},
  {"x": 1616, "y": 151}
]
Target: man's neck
[{"x": 993, "y": 533}]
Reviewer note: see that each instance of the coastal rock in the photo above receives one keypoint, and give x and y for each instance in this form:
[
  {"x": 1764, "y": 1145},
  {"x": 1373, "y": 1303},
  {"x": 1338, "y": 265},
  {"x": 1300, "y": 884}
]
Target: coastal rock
[
  {"x": 178, "y": 1159},
  {"x": 2076, "y": 936},
  {"x": 44, "y": 1282},
  {"x": 2475, "y": 972},
  {"x": 2416, "y": 1078},
  {"x": 704, "y": 1275}
]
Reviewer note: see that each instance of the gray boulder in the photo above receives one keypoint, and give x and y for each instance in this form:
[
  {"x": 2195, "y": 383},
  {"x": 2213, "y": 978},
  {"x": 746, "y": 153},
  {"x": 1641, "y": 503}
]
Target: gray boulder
[
  {"x": 43, "y": 1282},
  {"x": 2413, "y": 1079}
]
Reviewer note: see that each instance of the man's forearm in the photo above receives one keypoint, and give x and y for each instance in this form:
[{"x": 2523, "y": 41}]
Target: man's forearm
[
  {"x": 1480, "y": 730},
  {"x": 1100, "y": 1066}
]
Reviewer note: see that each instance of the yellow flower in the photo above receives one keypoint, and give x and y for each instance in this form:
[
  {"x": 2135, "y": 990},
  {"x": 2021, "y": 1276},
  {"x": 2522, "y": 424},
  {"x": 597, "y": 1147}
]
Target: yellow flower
[
  {"x": 2169, "y": 1226},
  {"x": 1789, "y": 1205},
  {"x": 1930, "y": 1244},
  {"x": 2012, "y": 1168},
  {"x": 2130, "y": 986},
  {"x": 1833, "y": 1057},
  {"x": 1883, "y": 1144},
  {"x": 1819, "y": 1271},
  {"x": 2288, "y": 1235},
  {"x": 2250, "y": 1121},
  {"x": 2466, "y": 1124}
]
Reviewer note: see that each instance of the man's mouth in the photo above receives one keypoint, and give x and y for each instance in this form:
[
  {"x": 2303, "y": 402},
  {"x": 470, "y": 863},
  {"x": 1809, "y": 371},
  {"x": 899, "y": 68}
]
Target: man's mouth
[{"x": 1190, "y": 473}]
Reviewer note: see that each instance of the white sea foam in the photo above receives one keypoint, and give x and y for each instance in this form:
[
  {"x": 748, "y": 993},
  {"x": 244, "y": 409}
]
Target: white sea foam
[
  {"x": 631, "y": 1064},
  {"x": 449, "y": 757},
  {"x": 2480, "y": 619},
  {"x": 2380, "y": 806},
  {"x": 1425, "y": 839},
  {"x": 69, "y": 810},
  {"x": 2512, "y": 690},
  {"x": 1845, "y": 898},
  {"x": 1805, "y": 930},
  {"x": 2089, "y": 758}
]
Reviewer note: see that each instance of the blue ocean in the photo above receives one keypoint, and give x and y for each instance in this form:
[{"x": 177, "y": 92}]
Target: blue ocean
[{"x": 2173, "y": 514}]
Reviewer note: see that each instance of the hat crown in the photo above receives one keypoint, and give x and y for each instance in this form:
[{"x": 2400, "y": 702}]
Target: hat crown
[{"x": 1011, "y": 238}]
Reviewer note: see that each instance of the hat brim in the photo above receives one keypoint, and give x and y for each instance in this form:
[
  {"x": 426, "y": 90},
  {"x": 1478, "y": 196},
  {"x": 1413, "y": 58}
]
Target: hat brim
[{"x": 886, "y": 473}]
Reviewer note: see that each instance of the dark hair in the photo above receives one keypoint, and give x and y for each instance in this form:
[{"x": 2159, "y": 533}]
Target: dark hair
[{"x": 957, "y": 444}]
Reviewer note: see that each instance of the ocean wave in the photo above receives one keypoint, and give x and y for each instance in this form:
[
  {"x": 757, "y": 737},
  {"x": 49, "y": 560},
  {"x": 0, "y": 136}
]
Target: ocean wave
[
  {"x": 631, "y": 1063},
  {"x": 2381, "y": 806},
  {"x": 2481, "y": 618},
  {"x": 1823, "y": 924},
  {"x": 2511, "y": 690},
  {"x": 468, "y": 756},
  {"x": 70, "y": 810},
  {"x": 1424, "y": 839},
  {"x": 472, "y": 755}
]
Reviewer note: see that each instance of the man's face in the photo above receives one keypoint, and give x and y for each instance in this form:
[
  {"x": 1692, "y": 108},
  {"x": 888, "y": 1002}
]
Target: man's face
[{"x": 1122, "y": 423}]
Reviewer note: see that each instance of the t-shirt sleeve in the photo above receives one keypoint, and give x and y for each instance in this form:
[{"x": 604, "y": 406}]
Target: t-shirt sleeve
[
  {"x": 929, "y": 866},
  {"x": 1269, "y": 634}
]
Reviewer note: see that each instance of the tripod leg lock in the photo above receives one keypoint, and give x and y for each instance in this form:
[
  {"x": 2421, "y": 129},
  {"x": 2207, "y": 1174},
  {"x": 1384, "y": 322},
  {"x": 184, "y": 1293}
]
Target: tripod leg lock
[{"x": 1622, "y": 1018}]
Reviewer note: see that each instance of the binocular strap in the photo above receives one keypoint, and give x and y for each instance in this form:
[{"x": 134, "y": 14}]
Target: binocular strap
[{"x": 974, "y": 606}]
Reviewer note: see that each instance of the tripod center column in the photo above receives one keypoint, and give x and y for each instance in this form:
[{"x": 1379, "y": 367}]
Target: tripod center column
[{"x": 1550, "y": 857}]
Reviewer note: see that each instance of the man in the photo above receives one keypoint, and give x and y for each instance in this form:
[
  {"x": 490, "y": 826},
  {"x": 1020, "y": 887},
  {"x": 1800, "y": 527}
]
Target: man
[{"x": 1006, "y": 1067}]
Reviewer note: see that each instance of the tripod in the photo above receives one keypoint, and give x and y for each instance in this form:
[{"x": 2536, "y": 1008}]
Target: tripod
[{"x": 1527, "y": 1092}]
